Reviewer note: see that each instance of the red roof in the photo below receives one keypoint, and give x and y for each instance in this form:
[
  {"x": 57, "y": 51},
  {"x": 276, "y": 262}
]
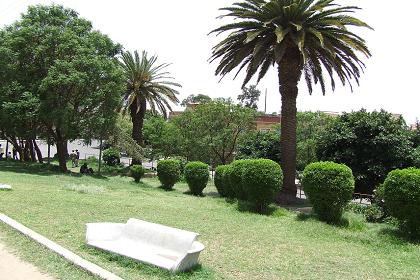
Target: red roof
[{"x": 269, "y": 119}]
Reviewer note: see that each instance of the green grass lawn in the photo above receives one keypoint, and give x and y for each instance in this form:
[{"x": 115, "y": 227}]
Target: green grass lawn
[{"x": 239, "y": 245}]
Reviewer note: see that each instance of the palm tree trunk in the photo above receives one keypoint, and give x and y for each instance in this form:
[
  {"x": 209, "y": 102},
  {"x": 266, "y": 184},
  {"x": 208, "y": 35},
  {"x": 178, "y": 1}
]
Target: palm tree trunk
[
  {"x": 137, "y": 118},
  {"x": 289, "y": 71}
]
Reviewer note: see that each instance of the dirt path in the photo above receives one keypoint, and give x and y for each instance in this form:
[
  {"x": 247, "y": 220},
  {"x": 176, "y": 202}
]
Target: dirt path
[{"x": 12, "y": 268}]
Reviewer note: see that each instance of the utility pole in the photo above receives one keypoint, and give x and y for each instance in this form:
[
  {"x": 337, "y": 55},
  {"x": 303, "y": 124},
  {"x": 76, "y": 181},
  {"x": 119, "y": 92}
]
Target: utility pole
[
  {"x": 100, "y": 156},
  {"x": 265, "y": 102}
]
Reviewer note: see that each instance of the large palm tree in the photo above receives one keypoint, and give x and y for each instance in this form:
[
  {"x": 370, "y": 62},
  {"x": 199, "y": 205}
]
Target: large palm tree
[
  {"x": 299, "y": 37},
  {"x": 146, "y": 84}
]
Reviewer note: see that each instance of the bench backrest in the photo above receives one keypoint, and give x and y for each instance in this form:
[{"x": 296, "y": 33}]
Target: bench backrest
[{"x": 173, "y": 239}]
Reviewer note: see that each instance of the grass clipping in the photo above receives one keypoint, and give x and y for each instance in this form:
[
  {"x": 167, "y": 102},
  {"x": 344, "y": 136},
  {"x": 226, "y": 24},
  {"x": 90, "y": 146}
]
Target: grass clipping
[{"x": 85, "y": 189}]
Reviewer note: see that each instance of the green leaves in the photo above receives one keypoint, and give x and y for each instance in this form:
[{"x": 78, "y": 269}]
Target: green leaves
[
  {"x": 67, "y": 69},
  {"x": 270, "y": 30},
  {"x": 250, "y": 36},
  {"x": 280, "y": 33},
  {"x": 145, "y": 79}
]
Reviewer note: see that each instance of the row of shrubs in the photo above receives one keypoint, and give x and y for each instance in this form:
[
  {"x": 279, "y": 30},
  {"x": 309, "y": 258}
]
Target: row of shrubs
[
  {"x": 255, "y": 181},
  {"x": 196, "y": 175},
  {"x": 329, "y": 187}
]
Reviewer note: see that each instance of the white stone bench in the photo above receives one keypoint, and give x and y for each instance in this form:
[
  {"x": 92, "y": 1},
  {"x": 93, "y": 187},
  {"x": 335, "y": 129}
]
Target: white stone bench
[
  {"x": 168, "y": 248},
  {"x": 5, "y": 187}
]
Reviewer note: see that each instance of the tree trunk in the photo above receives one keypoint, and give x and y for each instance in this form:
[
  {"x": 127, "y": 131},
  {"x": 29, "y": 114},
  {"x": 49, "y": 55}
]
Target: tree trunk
[
  {"x": 100, "y": 156},
  {"x": 26, "y": 152},
  {"x": 7, "y": 150},
  {"x": 31, "y": 150},
  {"x": 137, "y": 117},
  {"x": 62, "y": 151},
  {"x": 38, "y": 152},
  {"x": 289, "y": 71}
]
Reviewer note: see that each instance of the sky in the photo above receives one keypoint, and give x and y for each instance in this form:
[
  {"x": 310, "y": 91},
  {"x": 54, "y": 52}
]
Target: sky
[{"x": 177, "y": 31}]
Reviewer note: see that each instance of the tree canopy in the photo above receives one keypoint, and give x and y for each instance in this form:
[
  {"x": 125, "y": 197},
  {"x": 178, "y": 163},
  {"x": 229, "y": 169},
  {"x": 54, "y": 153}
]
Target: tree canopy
[
  {"x": 250, "y": 96},
  {"x": 371, "y": 144},
  {"x": 61, "y": 75}
]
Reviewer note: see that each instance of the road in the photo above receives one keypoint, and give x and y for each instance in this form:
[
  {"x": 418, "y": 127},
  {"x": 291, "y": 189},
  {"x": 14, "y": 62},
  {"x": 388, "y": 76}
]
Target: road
[{"x": 85, "y": 150}]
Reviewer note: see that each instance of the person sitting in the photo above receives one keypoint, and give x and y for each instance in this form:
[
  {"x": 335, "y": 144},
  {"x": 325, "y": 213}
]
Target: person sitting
[{"x": 85, "y": 170}]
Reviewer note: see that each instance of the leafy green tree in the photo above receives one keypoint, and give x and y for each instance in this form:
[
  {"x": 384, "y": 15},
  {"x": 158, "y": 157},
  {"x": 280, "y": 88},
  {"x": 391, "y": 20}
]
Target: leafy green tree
[
  {"x": 161, "y": 137},
  {"x": 19, "y": 109},
  {"x": 299, "y": 37},
  {"x": 69, "y": 69},
  {"x": 195, "y": 99},
  {"x": 309, "y": 126},
  {"x": 146, "y": 83},
  {"x": 121, "y": 138},
  {"x": 193, "y": 146},
  {"x": 415, "y": 134},
  {"x": 212, "y": 130},
  {"x": 257, "y": 144},
  {"x": 250, "y": 96},
  {"x": 371, "y": 144}
]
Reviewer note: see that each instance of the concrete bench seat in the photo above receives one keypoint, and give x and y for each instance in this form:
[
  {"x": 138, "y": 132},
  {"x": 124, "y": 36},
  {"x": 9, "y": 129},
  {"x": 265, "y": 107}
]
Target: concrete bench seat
[
  {"x": 5, "y": 187},
  {"x": 168, "y": 248}
]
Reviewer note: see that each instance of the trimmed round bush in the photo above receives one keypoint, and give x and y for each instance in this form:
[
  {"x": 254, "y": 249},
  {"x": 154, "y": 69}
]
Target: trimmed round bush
[
  {"x": 137, "y": 172},
  {"x": 236, "y": 175},
  {"x": 111, "y": 156},
  {"x": 197, "y": 175},
  {"x": 402, "y": 198},
  {"x": 261, "y": 181},
  {"x": 222, "y": 181},
  {"x": 329, "y": 187},
  {"x": 168, "y": 172}
]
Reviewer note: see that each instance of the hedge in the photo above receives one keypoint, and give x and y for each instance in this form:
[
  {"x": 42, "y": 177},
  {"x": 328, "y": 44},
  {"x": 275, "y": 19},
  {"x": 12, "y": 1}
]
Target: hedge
[
  {"x": 197, "y": 175},
  {"x": 402, "y": 198},
  {"x": 261, "y": 181},
  {"x": 168, "y": 172},
  {"x": 329, "y": 187}
]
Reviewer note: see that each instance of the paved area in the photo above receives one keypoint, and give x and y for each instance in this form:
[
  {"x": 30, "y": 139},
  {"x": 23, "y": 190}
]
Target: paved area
[
  {"x": 13, "y": 268},
  {"x": 85, "y": 151}
]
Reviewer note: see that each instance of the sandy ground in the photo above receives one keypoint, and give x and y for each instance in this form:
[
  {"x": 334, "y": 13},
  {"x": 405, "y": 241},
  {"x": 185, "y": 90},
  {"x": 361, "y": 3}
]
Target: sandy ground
[{"x": 12, "y": 268}]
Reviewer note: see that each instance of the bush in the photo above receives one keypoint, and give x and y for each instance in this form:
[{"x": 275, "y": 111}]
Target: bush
[
  {"x": 222, "y": 181},
  {"x": 236, "y": 175},
  {"x": 402, "y": 198},
  {"x": 111, "y": 156},
  {"x": 137, "y": 172},
  {"x": 197, "y": 175},
  {"x": 92, "y": 160},
  {"x": 372, "y": 213},
  {"x": 168, "y": 172},
  {"x": 371, "y": 144},
  {"x": 261, "y": 181},
  {"x": 329, "y": 187}
]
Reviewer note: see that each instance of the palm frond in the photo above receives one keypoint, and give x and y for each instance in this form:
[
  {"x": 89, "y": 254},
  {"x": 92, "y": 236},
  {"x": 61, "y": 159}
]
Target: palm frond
[
  {"x": 268, "y": 32},
  {"x": 148, "y": 81}
]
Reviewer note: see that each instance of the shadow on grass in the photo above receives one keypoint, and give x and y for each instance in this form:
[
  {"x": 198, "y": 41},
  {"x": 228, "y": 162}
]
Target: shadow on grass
[
  {"x": 197, "y": 272},
  {"x": 399, "y": 236},
  {"x": 41, "y": 169},
  {"x": 272, "y": 210},
  {"x": 349, "y": 221},
  {"x": 195, "y": 195},
  {"x": 212, "y": 194}
]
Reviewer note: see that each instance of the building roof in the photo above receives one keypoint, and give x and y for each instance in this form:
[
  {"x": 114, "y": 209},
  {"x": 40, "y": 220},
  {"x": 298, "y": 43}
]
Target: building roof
[{"x": 269, "y": 118}]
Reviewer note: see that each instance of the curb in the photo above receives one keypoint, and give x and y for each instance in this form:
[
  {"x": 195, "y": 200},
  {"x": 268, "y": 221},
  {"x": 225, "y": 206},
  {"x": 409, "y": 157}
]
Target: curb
[{"x": 66, "y": 254}]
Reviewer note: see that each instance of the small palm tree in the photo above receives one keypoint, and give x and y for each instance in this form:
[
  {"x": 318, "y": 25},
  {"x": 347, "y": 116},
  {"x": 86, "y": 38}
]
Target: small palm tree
[
  {"x": 299, "y": 37},
  {"x": 146, "y": 84}
]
